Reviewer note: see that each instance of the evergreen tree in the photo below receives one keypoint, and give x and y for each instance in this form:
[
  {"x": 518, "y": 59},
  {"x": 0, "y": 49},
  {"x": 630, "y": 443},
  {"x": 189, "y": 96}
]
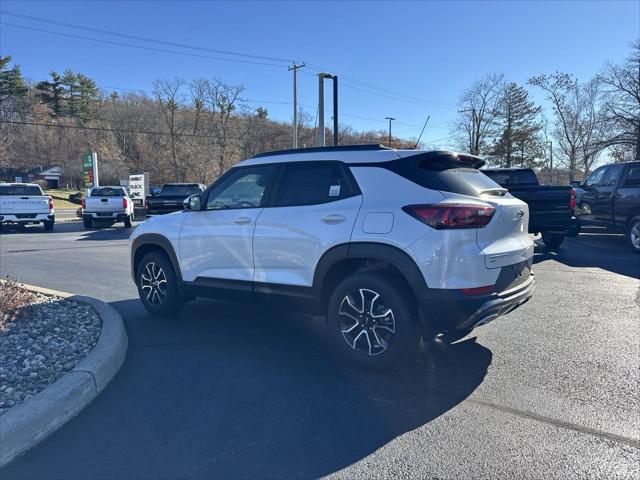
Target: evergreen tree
[
  {"x": 86, "y": 94},
  {"x": 12, "y": 85},
  {"x": 518, "y": 117},
  {"x": 52, "y": 93}
]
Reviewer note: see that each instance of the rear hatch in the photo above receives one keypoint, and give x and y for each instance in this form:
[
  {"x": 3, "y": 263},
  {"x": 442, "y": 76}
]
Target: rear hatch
[
  {"x": 505, "y": 240},
  {"x": 19, "y": 199},
  {"x": 549, "y": 206}
]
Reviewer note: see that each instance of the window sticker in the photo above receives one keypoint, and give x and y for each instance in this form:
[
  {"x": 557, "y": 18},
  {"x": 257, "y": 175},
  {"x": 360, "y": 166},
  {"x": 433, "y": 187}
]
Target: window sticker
[{"x": 334, "y": 191}]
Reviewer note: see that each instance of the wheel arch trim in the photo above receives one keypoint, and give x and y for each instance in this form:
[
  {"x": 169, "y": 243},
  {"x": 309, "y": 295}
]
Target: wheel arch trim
[{"x": 159, "y": 242}]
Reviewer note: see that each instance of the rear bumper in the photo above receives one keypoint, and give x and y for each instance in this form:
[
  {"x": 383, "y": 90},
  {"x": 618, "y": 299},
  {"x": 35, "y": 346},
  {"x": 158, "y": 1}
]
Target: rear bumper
[
  {"x": 105, "y": 216},
  {"x": 27, "y": 218},
  {"x": 452, "y": 310}
]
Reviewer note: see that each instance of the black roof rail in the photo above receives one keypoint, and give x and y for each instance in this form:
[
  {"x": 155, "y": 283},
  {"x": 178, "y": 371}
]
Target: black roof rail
[{"x": 334, "y": 148}]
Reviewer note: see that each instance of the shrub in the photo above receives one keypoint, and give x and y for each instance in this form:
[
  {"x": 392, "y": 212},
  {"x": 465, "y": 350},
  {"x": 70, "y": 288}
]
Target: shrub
[
  {"x": 42, "y": 183},
  {"x": 12, "y": 298}
]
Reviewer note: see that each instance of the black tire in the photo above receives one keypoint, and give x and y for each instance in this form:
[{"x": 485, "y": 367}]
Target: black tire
[
  {"x": 552, "y": 240},
  {"x": 156, "y": 267},
  {"x": 633, "y": 234},
  {"x": 48, "y": 226},
  {"x": 87, "y": 221},
  {"x": 371, "y": 342},
  {"x": 127, "y": 221}
]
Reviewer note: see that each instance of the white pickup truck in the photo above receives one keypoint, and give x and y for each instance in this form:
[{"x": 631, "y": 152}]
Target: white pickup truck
[
  {"x": 107, "y": 205},
  {"x": 24, "y": 203}
]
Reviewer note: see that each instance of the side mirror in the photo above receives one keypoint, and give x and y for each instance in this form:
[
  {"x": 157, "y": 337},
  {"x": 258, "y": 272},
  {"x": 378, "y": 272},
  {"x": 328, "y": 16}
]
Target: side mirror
[
  {"x": 194, "y": 202},
  {"x": 575, "y": 183}
]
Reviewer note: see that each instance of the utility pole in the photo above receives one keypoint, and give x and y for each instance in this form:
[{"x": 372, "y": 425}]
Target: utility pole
[
  {"x": 295, "y": 68},
  {"x": 390, "y": 120},
  {"x": 335, "y": 110}
]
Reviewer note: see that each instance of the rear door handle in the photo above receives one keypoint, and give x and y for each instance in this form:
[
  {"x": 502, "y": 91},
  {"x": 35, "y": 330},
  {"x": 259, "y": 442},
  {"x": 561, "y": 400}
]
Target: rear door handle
[
  {"x": 242, "y": 220},
  {"x": 333, "y": 219}
]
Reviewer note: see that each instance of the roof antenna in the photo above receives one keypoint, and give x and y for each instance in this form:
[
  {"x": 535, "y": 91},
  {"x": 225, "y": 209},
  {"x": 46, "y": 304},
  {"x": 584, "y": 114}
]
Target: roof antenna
[{"x": 425, "y": 126}]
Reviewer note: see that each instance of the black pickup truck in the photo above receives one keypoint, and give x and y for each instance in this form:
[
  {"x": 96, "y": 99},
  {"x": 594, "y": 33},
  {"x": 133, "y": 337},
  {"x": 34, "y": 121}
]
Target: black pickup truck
[
  {"x": 550, "y": 207},
  {"x": 171, "y": 197},
  {"x": 610, "y": 198}
]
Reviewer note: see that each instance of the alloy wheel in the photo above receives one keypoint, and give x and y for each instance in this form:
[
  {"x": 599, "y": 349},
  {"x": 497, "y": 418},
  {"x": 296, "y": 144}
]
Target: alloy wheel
[
  {"x": 153, "y": 283},
  {"x": 367, "y": 323}
]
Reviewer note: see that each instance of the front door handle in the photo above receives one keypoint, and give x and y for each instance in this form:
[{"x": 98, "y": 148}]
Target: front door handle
[
  {"x": 242, "y": 220},
  {"x": 333, "y": 219}
]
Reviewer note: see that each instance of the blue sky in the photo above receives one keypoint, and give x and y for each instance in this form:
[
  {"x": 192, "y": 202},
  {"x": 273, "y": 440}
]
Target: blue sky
[{"x": 428, "y": 51}]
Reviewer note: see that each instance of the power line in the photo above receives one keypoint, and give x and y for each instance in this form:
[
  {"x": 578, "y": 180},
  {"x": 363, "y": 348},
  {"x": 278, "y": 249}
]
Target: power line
[
  {"x": 143, "y": 39},
  {"x": 130, "y": 45}
]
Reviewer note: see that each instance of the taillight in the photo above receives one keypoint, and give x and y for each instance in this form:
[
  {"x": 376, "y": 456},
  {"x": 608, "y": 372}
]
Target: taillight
[
  {"x": 50, "y": 203},
  {"x": 124, "y": 202},
  {"x": 84, "y": 203},
  {"x": 572, "y": 201},
  {"x": 450, "y": 216}
]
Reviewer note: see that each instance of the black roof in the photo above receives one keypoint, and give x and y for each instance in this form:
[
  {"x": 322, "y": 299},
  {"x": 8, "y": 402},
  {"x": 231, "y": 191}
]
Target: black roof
[{"x": 333, "y": 148}]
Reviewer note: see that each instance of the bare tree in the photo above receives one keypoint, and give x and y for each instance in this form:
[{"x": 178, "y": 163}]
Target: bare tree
[
  {"x": 621, "y": 95},
  {"x": 168, "y": 93},
  {"x": 475, "y": 126}
]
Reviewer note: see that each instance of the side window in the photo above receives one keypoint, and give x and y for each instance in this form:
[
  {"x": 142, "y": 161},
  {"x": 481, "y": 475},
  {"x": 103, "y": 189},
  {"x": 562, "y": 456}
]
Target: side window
[
  {"x": 595, "y": 178},
  {"x": 313, "y": 183},
  {"x": 612, "y": 175},
  {"x": 244, "y": 188},
  {"x": 632, "y": 178}
]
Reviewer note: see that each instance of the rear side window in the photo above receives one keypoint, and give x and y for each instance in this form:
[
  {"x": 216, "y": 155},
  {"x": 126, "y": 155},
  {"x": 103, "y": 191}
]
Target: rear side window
[
  {"x": 107, "y": 192},
  {"x": 180, "y": 190},
  {"x": 20, "y": 190},
  {"x": 632, "y": 179},
  {"x": 445, "y": 176},
  {"x": 513, "y": 178},
  {"x": 312, "y": 183}
]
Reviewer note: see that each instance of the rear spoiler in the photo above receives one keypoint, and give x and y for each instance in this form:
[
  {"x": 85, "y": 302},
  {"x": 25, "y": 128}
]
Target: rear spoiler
[{"x": 464, "y": 159}]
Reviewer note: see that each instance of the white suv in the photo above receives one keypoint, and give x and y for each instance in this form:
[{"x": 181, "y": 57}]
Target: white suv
[{"x": 389, "y": 245}]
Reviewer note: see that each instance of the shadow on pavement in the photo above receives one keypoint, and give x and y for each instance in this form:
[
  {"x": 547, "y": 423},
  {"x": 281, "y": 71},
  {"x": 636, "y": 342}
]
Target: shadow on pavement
[
  {"x": 595, "y": 250},
  {"x": 116, "y": 232},
  {"x": 246, "y": 392}
]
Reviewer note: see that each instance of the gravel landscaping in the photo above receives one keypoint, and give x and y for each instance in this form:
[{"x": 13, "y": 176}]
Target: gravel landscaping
[{"x": 40, "y": 340}]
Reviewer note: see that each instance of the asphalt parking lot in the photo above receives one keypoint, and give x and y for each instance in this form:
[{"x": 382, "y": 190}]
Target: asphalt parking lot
[{"x": 250, "y": 391}]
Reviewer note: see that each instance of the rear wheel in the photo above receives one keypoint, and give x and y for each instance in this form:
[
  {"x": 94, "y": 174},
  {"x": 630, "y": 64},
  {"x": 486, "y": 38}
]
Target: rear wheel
[
  {"x": 88, "y": 222},
  {"x": 552, "y": 240},
  {"x": 48, "y": 225},
  {"x": 633, "y": 234},
  {"x": 127, "y": 221},
  {"x": 158, "y": 285},
  {"x": 372, "y": 322}
]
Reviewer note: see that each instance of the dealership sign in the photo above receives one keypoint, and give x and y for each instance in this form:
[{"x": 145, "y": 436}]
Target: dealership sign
[{"x": 138, "y": 187}]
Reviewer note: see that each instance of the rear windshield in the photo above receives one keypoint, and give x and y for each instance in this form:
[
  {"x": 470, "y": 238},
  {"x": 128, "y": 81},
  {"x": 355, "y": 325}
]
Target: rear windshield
[
  {"x": 20, "y": 190},
  {"x": 514, "y": 178},
  {"x": 107, "y": 192},
  {"x": 445, "y": 175},
  {"x": 180, "y": 190}
]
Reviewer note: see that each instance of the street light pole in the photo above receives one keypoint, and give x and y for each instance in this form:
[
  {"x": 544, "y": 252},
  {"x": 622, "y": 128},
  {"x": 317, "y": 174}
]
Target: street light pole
[
  {"x": 390, "y": 120},
  {"x": 550, "y": 162}
]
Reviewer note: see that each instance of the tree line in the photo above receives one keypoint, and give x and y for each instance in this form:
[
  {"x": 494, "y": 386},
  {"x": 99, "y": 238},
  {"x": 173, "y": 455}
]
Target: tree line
[
  {"x": 499, "y": 120},
  {"x": 179, "y": 131},
  {"x": 195, "y": 130}
]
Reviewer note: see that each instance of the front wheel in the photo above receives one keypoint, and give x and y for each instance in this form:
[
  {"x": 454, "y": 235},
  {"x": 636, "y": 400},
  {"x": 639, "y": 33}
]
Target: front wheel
[
  {"x": 633, "y": 234},
  {"x": 372, "y": 321},
  {"x": 552, "y": 240},
  {"x": 158, "y": 285}
]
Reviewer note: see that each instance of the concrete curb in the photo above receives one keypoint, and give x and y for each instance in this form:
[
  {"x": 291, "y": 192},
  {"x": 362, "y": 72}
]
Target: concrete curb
[{"x": 27, "y": 424}]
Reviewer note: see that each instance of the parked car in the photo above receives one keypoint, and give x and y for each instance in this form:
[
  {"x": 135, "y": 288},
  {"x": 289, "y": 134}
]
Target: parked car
[
  {"x": 171, "y": 197},
  {"x": 551, "y": 208},
  {"x": 76, "y": 198},
  {"x": 107, "y": 205},
  {"x": 610, "y": 198},
  {"x": 388, "y": 244},
  {"x": 24, "y": 203}
]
